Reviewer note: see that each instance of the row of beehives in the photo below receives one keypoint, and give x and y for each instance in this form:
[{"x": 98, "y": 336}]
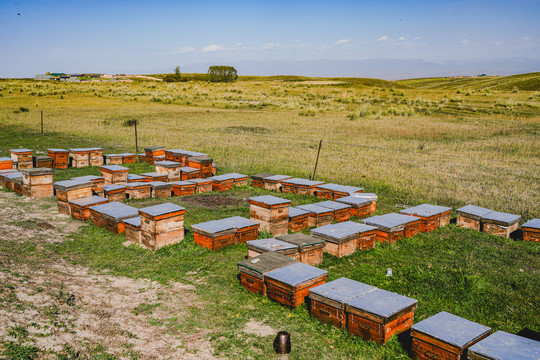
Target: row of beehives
[{"x": 376, "y": 314}]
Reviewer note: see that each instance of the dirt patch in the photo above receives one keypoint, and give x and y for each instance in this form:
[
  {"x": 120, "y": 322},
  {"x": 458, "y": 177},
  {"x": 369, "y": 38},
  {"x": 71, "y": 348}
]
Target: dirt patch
[
  {"x": 321, "y": 82},
  {"x": 259, "y": 329},
  {"x": 214, "y": 201}
]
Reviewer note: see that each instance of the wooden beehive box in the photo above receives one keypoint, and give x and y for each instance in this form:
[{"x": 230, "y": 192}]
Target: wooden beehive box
[
  {"x": 273, "y": 182},
  {"x": 169, "y": 154},
  {"x": 432, "y": 216},
  {"x": 257, "y": 180},
  {"x": 203, "y": 163},
  {"x": 153, "y": 152},
  {"x": 171, "y": 169},
  {"x": 335, "y": 191},
  {"x": 346, "y": 190},
  {"x": 161, "y": 189},
  {"x": 128, "y": 158},
  {"x": 202, "y": 185},
  {"x": 23, "y": 158},
  {"x": 504, "y": 346},
  {"x": 214, "y": 234},
  {"x": 138, "y": 190},
  {"x": 112, "y": 215},
  {"x": 115, "y": 192},
  {"x": 298, "y": 219},
  {"x": 162, "y": 225},
  {"x": 239, "y": 179},
  {"x": 183, "y": 188},
  {"x": 6, "y": 163},
  {"x": 252, "y": 271},
  {"x": 341, "y": 211},
  {"x": 500, "y": 224},
  {"x": 272, "y": 212},
  {"x": 97, "y": 183},
  {"x": 318, "y": 215},
  {"x": 131, "y": 178},
  {"x": 325, "y": 191},
  {"x": 290, "y": 284},
  {"x": 246, "y": 229},
  {"x": 300, "y": 186},
  {"x": 79, "y": 157},
  {"x": 3, "y": 180},
  {"x": 310, "y": 249},
  {"x": 177, "y": 155},
  {"x": 70, "y": 190},
  {"x": 17, "y": 185},
  {"x": 114, "y": 174},
  {"x": 37, "y": 182},
  {"x": 8, "y": 179},
  {"x": 187, "y": 154},
  {"x": 260, "y": 246},
  {"x": 80, "y": 208},
  {"x": 214, "y": 168},
  {"x": 60, "y": 158},
  {"x": 96, "y": 157},
  {"x": 360, "y": 207},
  {"x": 392, "y": 227},
  {"x": 327, "y": 301},
  {"x": 379, "y": 314},
  {"x": 132, "y": 229},
  {"x": 221, "y": 182},
  {"x": 188, "y": 173},
  {"x": 154, "y": 176},
  {"x": 445, "y": 336},
  {"x": 113, "y": 159},
  {"x": 43, "y": 162},
  {"x": 531, "y": 230},
  {"x": 345, "y": 238},
  {"x": 470, "y": 216},
  {"x": 141, "y": 157}
]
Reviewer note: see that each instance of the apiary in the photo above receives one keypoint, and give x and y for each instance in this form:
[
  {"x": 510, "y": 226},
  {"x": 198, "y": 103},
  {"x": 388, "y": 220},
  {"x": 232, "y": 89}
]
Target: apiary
[
  {"x": 290, "y": 284},
  {"x": 202, "y": 185},
  {"x": 188, "y": 173},
  {"x": 341, "y": 211},
  {"x": 445, "y": 336},
  {"x": 531, "y": 230},
  {"x": 272, "y": 212},
  {"x": 470, "y": 216},
  {"x": 95, "y": 157},
  {"x": 132, "y": 229},
  {"x": 60, "y": 158},
  {"x": 97, "y": 183},
  {"x": 113, "y": 159},
  {"x": 169, "y": 168},
  {"x": 138, "y": 190},
  {"x": 261, "y": 246},
  {"x": 504, "y": 346},
  {"x": 79, "y": 157},
  {"x": 128, "y": 158},
  {"x": 162, "y": 225},
  {"x": 257, "y": 180},
  {"x": 154, "y": 176},
  {"x": 327, "y": 301},
  {"x": 222, "y": 182},
  {"x": 161, "y": 189},
  {"x": 80, "y": 208},
  {"x": 23, "y": 158},
  {"x": 153, "y": 152},
  {"x": 114, "y": 174},
  {"x": 37, "y": 182},
  {"x": 203, "y": 163},
  {"x": 377, "y": 315},
  {"x": 252, "y": 271},
  {"x": 500, "y": 224},
  {"x": 298, "y": 219},
  {"x": 274, "y": 182},
  {"x": 392, "y": 227},
  {"x": 183, "y": 188},
  {"x": 214, "y": 234},
  {"x": 70, "y": 190},
  {"x": 135, "y": 178},
  {"x": 310, "y": 249},
  {"x": 432, "y": 216},
  {"x": 115, "y": 192},
  {"x": 43, "y": 162},
  {"x": 6, "y": 163},
  {"x": 112, "y": 215},
  {"x": 300, "y": 186},
  {"x": 360, "y": 207},
  {"x": 318, "y": 215}
]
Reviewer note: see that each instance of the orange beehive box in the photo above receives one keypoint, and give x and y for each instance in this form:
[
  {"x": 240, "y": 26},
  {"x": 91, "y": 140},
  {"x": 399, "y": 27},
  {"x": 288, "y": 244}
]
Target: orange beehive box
[
  {"x": 113, "y": 159},
  {"x": 318, "y": 215},
  {"x": 343, "y": 239},
  {"x": 178, "y": 155},
  {"x": 3, "y": 179},
  {"x": 69, "y": 190},
  {"x": 251, "y": 272},
  {"x": 300, "y": 186},
  {"x": 161, "y": 189},
  {"x": 43, "y": 162},
  {"x": 7, "y": 179},
  {"x": 95, "y": 157},
  {"x": 222, "y": 182},
  {"x": 80, "y": 208},
  {"x": 60, "y": 158},
  {"x": 153, "y": 152},
  {"x": 114, "y": 174},
  {"x": 141, "y": 157},
  {"x": 97, "y": 183},
  {"x": 128, "y": 158},
  {"x": 239, "y": 179},
  {"x": 171, "y": 169},
  {"x": 360, "y": 207},
  {"x": 272, "y": 212},
  {"x": 274, "y": 182},
  {"x": 79, "y": 157},
  {"x": 531, "y": 230},
  {"x": 257, "y": 180},
  {"x": 392, "y": 227},
  {"x": 183, "y": 188},
  {"x": 214, "y": 234},
  {"x": 340, "y": 212},
  {"x": 115, "y": 192},
  {"x": 310, "y": 249},
  {"x": 188, "y": 173},
  {"x": 112, "y": 215},
  {"x": 203, "y": 163},
  {"x": 37, "y": 182},
  {"x": 17, "y": 185},
  {"x": 202, "y": 185},
  {"x": 214, "y": 169},
  {"x": 257, "y": 247},
  {"x": 335, "y": 191},
  {"x": 132, "y": 229},
  {"x": 138, "y": 190},
  {"x": 23, "y": 158},
  {"x": 298, "y": 219},
  {"x": 135, "y": 178},
  {"x": 162, "y": 225},
  {"x": 500, "y": 224},
  {"x": 470, "y": 217},
  {"x": 154, "y": 176},
  {"x": 6, "y": 163},
  {"x": 430, "y": 214},
  {"x": 246, "y": 229}
]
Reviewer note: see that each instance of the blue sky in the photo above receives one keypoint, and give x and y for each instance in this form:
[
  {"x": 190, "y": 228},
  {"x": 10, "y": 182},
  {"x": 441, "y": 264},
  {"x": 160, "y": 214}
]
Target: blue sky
[{"x": 155, "y": 36}]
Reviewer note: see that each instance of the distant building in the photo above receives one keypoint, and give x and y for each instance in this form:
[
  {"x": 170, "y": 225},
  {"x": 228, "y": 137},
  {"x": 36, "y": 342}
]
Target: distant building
[{"x": 43, "y": 77}]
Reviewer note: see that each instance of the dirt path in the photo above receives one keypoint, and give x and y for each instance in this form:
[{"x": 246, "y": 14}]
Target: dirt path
[{"x": 52, "y": 307}]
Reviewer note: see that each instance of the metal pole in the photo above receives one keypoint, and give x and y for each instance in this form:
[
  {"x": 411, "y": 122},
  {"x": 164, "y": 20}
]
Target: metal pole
[
  {"x": 316, "y": 161},
  {"x": 41, "y": 121},
  {"x": 136, "y": 144}
]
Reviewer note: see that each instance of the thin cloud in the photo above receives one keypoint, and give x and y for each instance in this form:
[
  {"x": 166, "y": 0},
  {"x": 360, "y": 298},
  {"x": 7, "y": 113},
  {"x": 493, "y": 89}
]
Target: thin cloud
[
  {"x": 401, "y": 38},
  {"x": 498, "y": 43},
  {"x": 270, "y": 46},
  {"x": 383, "y": 38},
  {"x": 213, "y": 48},
  {"x": 343, "y": 42},
  {"x": 184, "y": 50},
  {"x": 465, "y": 42}
]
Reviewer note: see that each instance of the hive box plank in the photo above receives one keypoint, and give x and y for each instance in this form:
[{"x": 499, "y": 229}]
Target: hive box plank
[
  {"x": 112, "y": 215},
  {"x": 95, "y": 157},
  {"x": 300, "y": 186},
  {"x": 113, "y": 159},
  {"x": 37, "y": 182},
  {"x": 23, "y": 158},
  {"x": 252, "y": 271},
  {"x": 531, "y": 230},
  {"x": 60, "y": 158},
  {"x": 80, "y": 208},
  {"x": 272, "y": 212},
  {"x": 43, "y": 162},
  {"x": 188, "y": 173},
  {"x": 153, "y": 152},
  {"x": 340, "y": 211},
  {"x": 290, "y": 284},
  {"x": 432, "y": 216},
  {"x": 115, "y": 192},
  {"x": 500, "y": 224},
  {"x": 169, "y": 168},
  {"x": 161, "y": 189},
  {"x": 318, "y": 215},
  {"x": 162, "y": 225},
  {"x": 97, "y": 183},
  {"x": 257, "y": 180},
  {"x": 274, "y": 182},
  {"x": 202, "y": 185},
  {"x": 377, "y": 315},
  {"x": 298, "y": 219},
  {"x": 79, "y": 157},
  {"x": 128, "y": 158},
  {"x": 70, "y": 190},
  {"x": 504, "y": 346},
  {"x": 114, "y": 174},
  {"x": 345, "y": 238},
  {"x": 470, "y": 216},
  {"x": 17, "y": 185},
  {"x": 445, "y": 336},
  {"x": 261, "y": 246},
  {"x": 392, "y": 227},
  {"x": 310, "y": 249},
  {"x": 327, "y": 301},
  {"x": 183, "y": 188},
  {"x": 6, "y": 163},
  {"x": 132, "y": 229},
  {"x": 138, "y": 190},
  {"x": 214, "y": 234}
]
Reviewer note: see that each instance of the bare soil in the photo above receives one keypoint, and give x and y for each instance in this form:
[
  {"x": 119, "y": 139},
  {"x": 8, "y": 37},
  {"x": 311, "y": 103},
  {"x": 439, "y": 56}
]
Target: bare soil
[{"x": 214, "y": 201}]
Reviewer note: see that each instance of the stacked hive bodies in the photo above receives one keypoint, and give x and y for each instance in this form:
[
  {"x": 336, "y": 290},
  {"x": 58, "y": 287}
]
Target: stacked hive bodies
[
  {"x": 60, "y": 158},
  {"x": 486, "y": 220},
  {"x": 37, "y": 182},
  {"x": 154, "y": 153},
  {"x": 203, "y": 163},
  {"x": 69, "y": 190},
  {"x": 22, "y": 158},
  {"x": 252, "y": 271},
  {"x": 218, "y": 234},
  {"x": 272, "y": 212},
  {"x": 162, "y": 225},
  {"x": 345, "y": 238}
]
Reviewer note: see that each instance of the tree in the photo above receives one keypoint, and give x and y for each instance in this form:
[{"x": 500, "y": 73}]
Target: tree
[
  {"x": 220, "y": 73},
  {"x": 177, "y": 72}
]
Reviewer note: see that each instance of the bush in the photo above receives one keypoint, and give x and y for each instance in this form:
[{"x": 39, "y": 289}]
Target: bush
[{"x": 23, "y": 109}]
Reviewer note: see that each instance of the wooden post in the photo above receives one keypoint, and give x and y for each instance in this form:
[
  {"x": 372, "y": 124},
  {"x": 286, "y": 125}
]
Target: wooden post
[
  {"x": 41, "y": 121},
  {"x": 316, "y": 161},
  {"x": 136, "y": 144}
]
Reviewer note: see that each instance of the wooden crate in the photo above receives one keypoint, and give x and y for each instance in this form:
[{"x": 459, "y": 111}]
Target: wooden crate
[
  {"x": 138, "y": 190},
  {"x": 531, "y": 230},
  {"x": 23, "y": 158},
  {"x": 318, "y": 215},
  {"x": 300, "y": 186},
  {"x": 343, "y": 239},
  {"x": 274, "y": 182},
  {"x": 178, "y": 155},
  {"x": 80, "y": 208},
  {"x": 445, "y": 336},
  {"x": 188, "y": 173},
  {"x": 111, "y": 214},
  {"x": 162, "y": 225},
  {"x": 128, "y": 158},
  {"x": 183, "y": 188},
  {"x": 79, "y": 157},
  {"x": 202, "y": 185},
  {"x": 113, "y": 159},
  {"x": 272, "y": 213},
  {"x": 37, "y": 182},
  {"x": 7, "y": 179},
  {"x": 161, "y": 189},
  {"x": 430, "y": 215},
  {"x": 6, "y": 163},
  {"x": 171, "y": 169},
  {"x": 221, "y": 183},
  {"x": 504, "y": 346},
  {"x": 97, "y": 183},
  {"x": 261, "y": 246},
  {"x": 246, "y": 229},
  {"x": 340, "y": 212},
  {"x": 367, "y": 237},
  {"x": 392, "y": 227},
  {"x": 290, "y": 284},
  {"x": 60, "y": 158},
  {"x": 214, "y": 234},
  {"x": 298, "y": 219},
  {"x": 214, "y": 169},
  {"x": 203, "y": 163},
  {"x": 346, "y": 190},
  {"x": 153, "y": 152},
  {"x": 114, "y": 174},
  {"x": 43, "y": 162},
  {"x": 500, "y": 224},
  {"x": 131, "y": 178},
  {"x": 257, "y": 180},
  {"x": 379, "y": 314},
  {"x": 360, "y": 207},
  {"x": 70, "y": 190},
  {"x": 239, "y": 179},
  {"x": 252, "y": 271},
  {"x": 132, "y": 230},
  {"x": 327, "y": 302},
  {"x": 115, "y": 192},
  {"x": 95, "y": 157},
  {"x": 3, "y": 180},
  {"x": 470, "y": 216},
  {"x": 310, "y": 249}
]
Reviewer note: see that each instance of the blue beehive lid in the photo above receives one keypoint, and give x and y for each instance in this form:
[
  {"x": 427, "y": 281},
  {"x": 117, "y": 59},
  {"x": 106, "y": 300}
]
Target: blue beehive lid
[
  {"x": 370, "y": 196},
  {"x": 37, "y": 171},
  {"x": 270, "y": 244},
  {"x": 334, "y": 205},
  {"x": 501, "y": 218},
  {"x": 188, "y": 169},
  {"x": 239, "y": 222},
  {"x": 390, "y": 221},
  {"x": 302, "y": 240},
  {"x": 160, "y": 184},
  {"x": 168, "y": 163},
  {"x": 354, "y": 200},
  {"x": 177, "y": 151},
  {"x": 213, "y": 227},
  {"x": 261, "y": 176},
  {"x": 88, "y": 178},
  {"x": 293, "y": 212},
  {"x": 341, "y": 290},
  {"x": 296, "y": 274},
  {"x": 153, "y": 174},
  {"x": 303, "y": 182},
  {"x": 13, "y": 175},
  {"x": 57, "y": 150},
  {"x": 161, "y": 209},
  {"x": 223, "y": 177},
  {"x": 451, "y": 329},
  {"x": 20, "y": 150},
  {"x": 137, "y": 184},
  {"x": 270, "y": 200},
  {"x": 72, "y": 184},
  {"x": 116, "y": 210},
  {"x": 89, "y": 201},
  {"x": 154, "y": 148},
  {"x": 277, "y": 177},
  {"x": 340, "y": 188},
  {"x": 199, "y": 181},
  {"x": 193, "y": 153},
  {"x": 474, "y": 210},
  {"x": 127, "y": 154},
  {"x": 3, "y": 158},
  {"x": 425, "y": 210},
  {"x": 506, "y": 346},
  {"x": 95, "y": 149},
  {"x": 80, "y": 149},
  {"x": 113, "y": 187},
  {"x": 113, "y": 155},
  {"x": 533, "y": 223},
  {"x": 114, "y": 168},
  {"x": 339, "y": 231},
  {"x": 328, "y": 186},
  {"x": 315, "y": 209},
  {"x": 381, "y": 303},
  {"x": 134, "y": 221},
  {"x": 237, "y": 176},
  {"x": 183, "y": 183},
  {"x": 135, "y": 177}
]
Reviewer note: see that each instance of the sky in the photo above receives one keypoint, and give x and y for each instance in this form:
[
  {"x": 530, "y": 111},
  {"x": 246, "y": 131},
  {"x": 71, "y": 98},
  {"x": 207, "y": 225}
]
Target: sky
[{"x": 142, "y": 37}]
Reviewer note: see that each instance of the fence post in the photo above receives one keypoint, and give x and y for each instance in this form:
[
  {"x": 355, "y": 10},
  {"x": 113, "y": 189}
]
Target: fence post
[
  {"x": 136, "y": 143},
  {"x": 42, "y": 122},
  {"x": 316, "y": 161}
]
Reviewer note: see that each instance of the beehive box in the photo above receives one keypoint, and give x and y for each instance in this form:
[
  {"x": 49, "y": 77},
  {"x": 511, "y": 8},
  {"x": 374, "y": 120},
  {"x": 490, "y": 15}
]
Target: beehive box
[
  {"x": 274, "y": 182},
  {"x": 203, "y": 163},
  {"x": 318, "y": 215},
  {"x": 177, "y": 155},
  {"x": 183, "y": 188},
  {"x": 298, "y": 219},
  {"x": 504, "y": 346},
  {"x": 335, "y": 191},
  {"x": 214, "y": 234},
  {"x": 346, "y": 190},
  {"x": 153, "y": 152},
  {"x": 367, "y": 235},
  {"x": 345, "y": 238},
  {"x": 392, "y": 227},
  {"x": 246, "y": 229},
  {"x": 8, "y": 178},
  {"x": 112, "y": 216},
  {"x": 214, "y": 169},
  {"x": 360, "y": 207},
  {"x": 132, "y": 229},
  {"x": 188, "y": 173},
  {"x": 327, "y": 301},
  {"x": 6, "y": 163},
  {"x": 531, "y": 230},
  {"x": 131, "y": 178},
  {"x": 113, "y": 159},
  {"x": 379, "y": 314},
  {"x": 252, "y": 271},
  {"x": 23, "y": 158},
  {"x": 128, "y": 158},
  {"x": 261, "y": 246},
  {"x": 141, "y": 157},
  {"x": 470, "y": 216},
  {"x": 3, "y": 179},
  {"x": 97, "y": 183},
  {"x": 171, "y": 169},
  {"x": 169, "y": 154},
  {"x": 115, "y": 192},
  {"x": 432, "y": 216},
  {"x": 257, "y": 180},
  {"x": 95, "y": 157},
  {"x": 70, "y": 190},
  {"x": 239, "y": 179},
  {"x": 60, "y": 158},
  {"x": 138, "y": 190},
  {"x": 341, "y": 211},
  {"x": 445, "y": 336},
  {"x": 17, "y": 185},
  {"x": 114, "y": 174},
  {"x": 79, "y": 157},
  {"x": 43, "y": 162},
  {"x": 202, "y": 185},
  {"x": 161, "y": 189},
  {"x": 272, "y": 212},
  {"x": 290, "y": 284},
  {"x": 37, "y": 182},
  {"x": 154, "y": 176},
  {"x": 500, "y": 224},
  {"x": 222, "y": 182},
  {"x": 80, "y": 208},
  {"x": 300, "y": 186},
  {"x": 162, "y": 225},
  {"x": 310, "y": 249}
]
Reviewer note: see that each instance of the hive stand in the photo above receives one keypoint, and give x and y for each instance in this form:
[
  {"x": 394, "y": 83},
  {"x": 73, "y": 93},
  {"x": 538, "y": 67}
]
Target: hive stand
[{"x": 252, "y": 271}]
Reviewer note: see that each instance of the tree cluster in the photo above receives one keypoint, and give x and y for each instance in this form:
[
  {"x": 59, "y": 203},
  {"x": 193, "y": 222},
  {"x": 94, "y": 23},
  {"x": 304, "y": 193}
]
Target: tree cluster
[{"x": 220, "y": 73}]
